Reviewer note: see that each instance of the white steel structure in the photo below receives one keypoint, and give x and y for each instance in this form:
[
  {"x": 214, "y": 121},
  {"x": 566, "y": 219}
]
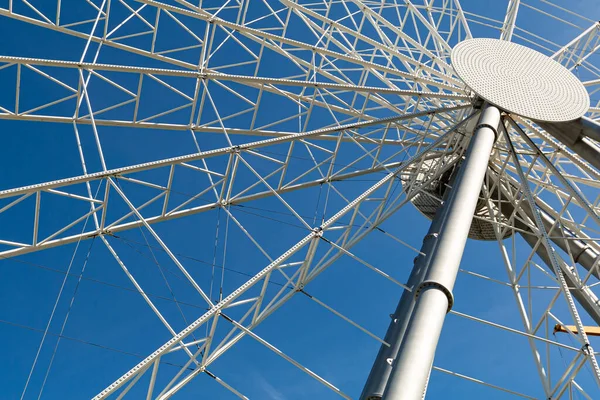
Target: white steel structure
[{"x": 233, "y": 186}]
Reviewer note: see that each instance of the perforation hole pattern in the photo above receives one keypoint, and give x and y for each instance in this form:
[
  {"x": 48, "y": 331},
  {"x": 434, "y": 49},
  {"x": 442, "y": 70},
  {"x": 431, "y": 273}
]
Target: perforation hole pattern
[{"x": 520, "y": 80}]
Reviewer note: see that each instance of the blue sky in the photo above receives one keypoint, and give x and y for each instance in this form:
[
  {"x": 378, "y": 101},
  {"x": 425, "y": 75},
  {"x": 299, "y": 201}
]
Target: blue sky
[{"x": 109, "y": 325}]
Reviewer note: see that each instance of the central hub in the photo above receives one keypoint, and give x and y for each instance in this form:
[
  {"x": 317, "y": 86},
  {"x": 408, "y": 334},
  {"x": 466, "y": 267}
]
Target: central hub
[{"x": 520, "y": 80}]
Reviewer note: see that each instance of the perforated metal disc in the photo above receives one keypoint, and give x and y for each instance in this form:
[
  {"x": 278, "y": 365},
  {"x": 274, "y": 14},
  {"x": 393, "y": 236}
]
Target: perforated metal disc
[{"x": 520, "y": 80}]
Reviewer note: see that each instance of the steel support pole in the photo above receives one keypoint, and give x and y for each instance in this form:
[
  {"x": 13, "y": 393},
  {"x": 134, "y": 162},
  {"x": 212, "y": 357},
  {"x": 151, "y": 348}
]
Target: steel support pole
[
  {"x": 433, "y": 296},
  {"x": 576, "y": 135},
  {"x": 382, "y": 367}
]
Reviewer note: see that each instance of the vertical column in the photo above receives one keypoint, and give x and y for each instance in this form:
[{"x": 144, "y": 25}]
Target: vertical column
[
  {"x": 433, "y": 296},
  {"x": 382, "y": 367}
]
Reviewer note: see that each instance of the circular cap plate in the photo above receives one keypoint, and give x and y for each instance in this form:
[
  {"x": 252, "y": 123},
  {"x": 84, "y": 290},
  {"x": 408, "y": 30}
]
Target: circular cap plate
[{"x": 520, "y": 80}]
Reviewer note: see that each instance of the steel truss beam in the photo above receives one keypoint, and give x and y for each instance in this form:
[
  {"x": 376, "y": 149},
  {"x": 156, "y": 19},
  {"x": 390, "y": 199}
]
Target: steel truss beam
[
  {"x": 220, "y": 183},
  {"x": 385, "y": 97},
  {"x": 536, "y": 232},
  {"x": 306, "y": 273},
  {"x": 274, "y": 45},
  {"x": 510, "y": 19},
  {"x": 200, "y": 13},
  {"x": 577, "y": 51},
  {"x": 222, "y": 77},
  {"x": 401, "y": 74}
]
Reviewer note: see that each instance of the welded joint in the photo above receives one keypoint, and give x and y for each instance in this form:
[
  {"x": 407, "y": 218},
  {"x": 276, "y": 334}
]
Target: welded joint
[
  {"x": 484, "y": 125},
  {"x": 583, "y": 250},
  {"x": 425, "y": 285},
  {"x": 587, "y": 350}
]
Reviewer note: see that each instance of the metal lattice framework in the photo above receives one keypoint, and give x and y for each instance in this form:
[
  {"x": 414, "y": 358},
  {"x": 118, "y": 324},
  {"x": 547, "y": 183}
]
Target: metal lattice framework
[{"x": 329, "y": 119}]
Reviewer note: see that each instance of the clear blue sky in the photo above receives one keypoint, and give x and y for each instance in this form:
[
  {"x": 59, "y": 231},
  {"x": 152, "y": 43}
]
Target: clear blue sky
[{"x": 107, "y": 315}]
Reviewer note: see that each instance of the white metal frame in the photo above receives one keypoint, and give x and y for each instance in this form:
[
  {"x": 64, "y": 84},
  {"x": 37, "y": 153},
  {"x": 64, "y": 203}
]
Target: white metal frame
[{"x": 368, "y": 79}]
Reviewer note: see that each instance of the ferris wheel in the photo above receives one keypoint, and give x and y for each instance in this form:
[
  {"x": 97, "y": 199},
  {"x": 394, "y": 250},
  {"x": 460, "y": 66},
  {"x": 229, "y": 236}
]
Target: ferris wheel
[{"x": 293, "y": 199}]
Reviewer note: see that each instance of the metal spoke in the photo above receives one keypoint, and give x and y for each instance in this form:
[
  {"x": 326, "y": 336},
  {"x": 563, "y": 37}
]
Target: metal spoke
[{"x": 231, "y": 155}]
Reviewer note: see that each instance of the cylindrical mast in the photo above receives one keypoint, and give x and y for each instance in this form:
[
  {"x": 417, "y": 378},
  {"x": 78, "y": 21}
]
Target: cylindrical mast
[
  {"x": 434, "y": 295},
  {"x": 382, "y": 367}
]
